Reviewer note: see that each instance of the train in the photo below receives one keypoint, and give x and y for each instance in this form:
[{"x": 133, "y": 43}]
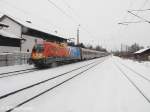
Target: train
[{"x": 46, "y": 53}]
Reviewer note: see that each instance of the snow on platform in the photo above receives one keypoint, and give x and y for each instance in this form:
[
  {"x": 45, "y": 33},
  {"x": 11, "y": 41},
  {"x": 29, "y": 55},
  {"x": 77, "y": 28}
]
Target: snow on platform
[{"x": 101, "y": 89}]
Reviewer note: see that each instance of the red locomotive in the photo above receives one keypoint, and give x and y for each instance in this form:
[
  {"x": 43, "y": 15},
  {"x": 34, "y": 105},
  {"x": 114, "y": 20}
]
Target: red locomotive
[{"x": 47, "y": 52}]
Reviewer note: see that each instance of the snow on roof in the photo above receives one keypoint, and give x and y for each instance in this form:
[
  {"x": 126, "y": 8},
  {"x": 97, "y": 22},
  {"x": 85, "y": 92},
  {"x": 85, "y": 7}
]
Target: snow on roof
[
  {"x": 8, "y": 34},
  {"x": 1, "y": 15},
  {"x": 31, "y": 25},
  {"x": 141, "y": 50}
]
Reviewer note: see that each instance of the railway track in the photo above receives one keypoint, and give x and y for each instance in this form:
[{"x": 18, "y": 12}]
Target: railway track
[
  {"x": 19, "y": 72},
  {"x": 137, "y": 73},
  {"x": 78, "y": 71},
  {"x": 133, "y": 81},
  {"x": 38, "y": 83}
]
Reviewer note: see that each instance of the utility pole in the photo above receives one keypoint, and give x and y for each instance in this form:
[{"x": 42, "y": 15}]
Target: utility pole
[
  {"x": 78, "y": 34},
  {"x": 121, "y": 48}
]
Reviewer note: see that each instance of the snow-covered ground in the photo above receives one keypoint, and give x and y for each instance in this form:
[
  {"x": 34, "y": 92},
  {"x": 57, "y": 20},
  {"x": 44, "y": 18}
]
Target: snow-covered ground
[
  {"x": 147, "y": 63},
  {"x": 6, "y": 69},
  {"x": 143, "y": 63},
  {"x": 101, "y": 89}
]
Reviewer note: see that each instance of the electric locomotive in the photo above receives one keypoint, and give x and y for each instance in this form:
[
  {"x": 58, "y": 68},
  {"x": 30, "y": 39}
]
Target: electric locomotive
[{"x": 46, "y": 53}]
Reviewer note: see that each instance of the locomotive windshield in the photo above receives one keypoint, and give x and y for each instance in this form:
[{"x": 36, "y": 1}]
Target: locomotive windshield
[{"x": 38, "y": 48}]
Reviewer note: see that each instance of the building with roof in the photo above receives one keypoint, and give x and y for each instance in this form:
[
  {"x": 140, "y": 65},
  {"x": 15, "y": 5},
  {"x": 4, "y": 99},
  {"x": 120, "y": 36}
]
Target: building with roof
[
  {"x": 18, "y": 35},
  {"x": 143, "y": 54}
]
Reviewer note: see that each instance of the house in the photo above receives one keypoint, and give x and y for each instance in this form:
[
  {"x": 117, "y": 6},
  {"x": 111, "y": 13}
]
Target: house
[
  {"x": 18, "y": 35},
  {"x": 8, "y": 41},
  {"x": 143, "y": 54}
]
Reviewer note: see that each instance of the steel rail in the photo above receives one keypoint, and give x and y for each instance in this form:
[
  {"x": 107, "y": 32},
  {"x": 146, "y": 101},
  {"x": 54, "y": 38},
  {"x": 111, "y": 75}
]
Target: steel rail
[
  {"x": 59, "y": 84},
  {"x": 41, "y": 82},
  {"x": 129, "y": 68},
  {"x": 17, "y": 73},
  {"x": 132, "y": 82}
]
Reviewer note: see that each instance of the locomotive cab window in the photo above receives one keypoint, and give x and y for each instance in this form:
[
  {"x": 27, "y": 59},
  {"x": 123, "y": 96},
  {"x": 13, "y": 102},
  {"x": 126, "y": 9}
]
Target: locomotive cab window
[{"x": 38, "y": 48}]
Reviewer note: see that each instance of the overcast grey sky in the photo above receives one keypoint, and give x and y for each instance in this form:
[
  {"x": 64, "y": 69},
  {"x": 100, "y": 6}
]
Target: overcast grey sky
[{"x": 98, "y": 19}]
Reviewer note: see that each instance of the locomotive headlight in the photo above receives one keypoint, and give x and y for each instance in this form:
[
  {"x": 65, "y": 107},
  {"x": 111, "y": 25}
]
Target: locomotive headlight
[{"x": 38, "y": 56}]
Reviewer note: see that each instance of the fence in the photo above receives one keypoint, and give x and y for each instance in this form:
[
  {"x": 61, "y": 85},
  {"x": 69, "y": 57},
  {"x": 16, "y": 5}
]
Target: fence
[{"x": 8, "y": 59}]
